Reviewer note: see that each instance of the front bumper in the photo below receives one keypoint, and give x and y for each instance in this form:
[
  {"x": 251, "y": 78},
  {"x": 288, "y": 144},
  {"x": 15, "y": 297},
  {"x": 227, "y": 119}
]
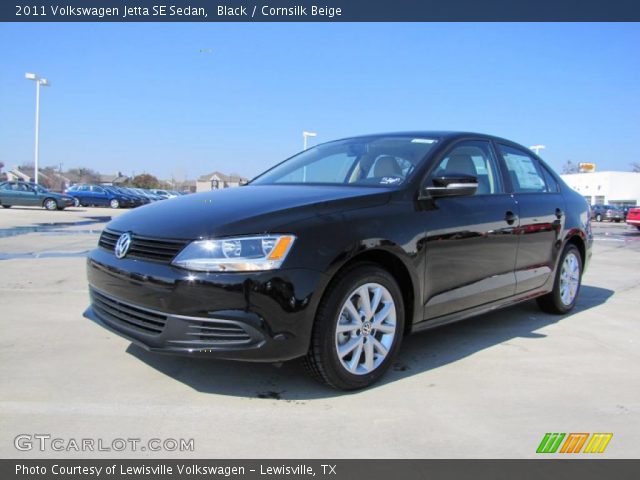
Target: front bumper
[{"x": 261, "y": 316}]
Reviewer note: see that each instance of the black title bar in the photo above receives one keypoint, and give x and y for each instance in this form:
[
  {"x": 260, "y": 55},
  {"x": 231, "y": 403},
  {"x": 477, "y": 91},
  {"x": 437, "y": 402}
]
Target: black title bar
[
  {"x": 320, "y": 11},
  {"x": 321, "y": 469}
]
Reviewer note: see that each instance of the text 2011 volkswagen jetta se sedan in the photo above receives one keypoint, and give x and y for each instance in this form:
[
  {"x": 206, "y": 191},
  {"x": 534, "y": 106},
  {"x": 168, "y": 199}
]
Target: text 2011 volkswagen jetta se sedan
[{"x": 338, "y": 252}]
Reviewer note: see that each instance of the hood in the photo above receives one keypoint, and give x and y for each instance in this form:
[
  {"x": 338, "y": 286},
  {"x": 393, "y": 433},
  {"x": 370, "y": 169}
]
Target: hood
[{"x": 244, "y": 210}]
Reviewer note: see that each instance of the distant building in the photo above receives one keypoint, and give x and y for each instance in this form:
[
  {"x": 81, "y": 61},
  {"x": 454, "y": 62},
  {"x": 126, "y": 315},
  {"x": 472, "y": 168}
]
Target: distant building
[
  {"x": 113, "y": 180},
  {"x": 609, "y": 188},
  {"x": 217, "y": 180}
]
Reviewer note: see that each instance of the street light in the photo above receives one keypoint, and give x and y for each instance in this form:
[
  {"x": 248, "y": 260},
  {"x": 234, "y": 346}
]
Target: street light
[
  {"x": 537, "y": 148},
  {"x": 45, "y": 83},
  {"x": 306, "y": 135}
]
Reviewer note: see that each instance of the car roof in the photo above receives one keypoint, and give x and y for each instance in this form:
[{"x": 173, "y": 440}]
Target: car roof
[{"x": 440, "y": 134}]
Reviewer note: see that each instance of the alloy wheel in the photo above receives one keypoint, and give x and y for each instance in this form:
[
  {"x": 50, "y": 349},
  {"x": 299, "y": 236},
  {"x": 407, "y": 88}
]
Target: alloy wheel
[
  {"x": 366, "y": 329},
  {"x": 569, "y": 279}
]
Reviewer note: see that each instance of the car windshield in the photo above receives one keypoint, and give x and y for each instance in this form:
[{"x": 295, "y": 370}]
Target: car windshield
[{"x": 374, "y": 161}]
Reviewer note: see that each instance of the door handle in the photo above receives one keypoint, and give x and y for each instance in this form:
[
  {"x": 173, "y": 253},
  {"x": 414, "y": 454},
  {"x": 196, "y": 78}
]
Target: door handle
[
  {"x": 510, "y": 217},
  {"x": 559, "y": 213}
]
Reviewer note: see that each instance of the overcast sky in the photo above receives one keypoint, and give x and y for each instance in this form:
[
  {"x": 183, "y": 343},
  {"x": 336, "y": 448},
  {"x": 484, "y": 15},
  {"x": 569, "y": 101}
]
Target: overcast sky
[{"x": 188, "y": 99}]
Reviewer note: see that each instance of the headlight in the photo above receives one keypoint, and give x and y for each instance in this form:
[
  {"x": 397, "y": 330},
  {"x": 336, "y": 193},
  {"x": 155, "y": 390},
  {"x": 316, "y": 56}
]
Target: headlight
[{"x": 241, "y": 254}]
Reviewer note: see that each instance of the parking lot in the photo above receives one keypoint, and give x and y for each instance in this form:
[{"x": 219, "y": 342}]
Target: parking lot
[{"x": 488, "y": 387}]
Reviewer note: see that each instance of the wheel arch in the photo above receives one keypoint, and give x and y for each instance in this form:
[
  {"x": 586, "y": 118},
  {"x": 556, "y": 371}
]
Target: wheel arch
[
  {"x": 577, "y": 240},
  {"x": 391, "y": 262}
]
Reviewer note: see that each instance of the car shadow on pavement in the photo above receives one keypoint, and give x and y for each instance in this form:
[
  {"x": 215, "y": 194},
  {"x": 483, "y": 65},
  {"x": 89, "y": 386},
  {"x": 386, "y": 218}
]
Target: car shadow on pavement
[{"x": 419, "y": 353}]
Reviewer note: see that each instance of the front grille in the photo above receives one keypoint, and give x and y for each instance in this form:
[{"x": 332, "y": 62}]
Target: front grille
[
  {"x": 160, "y": 250},
  {"x": 128, "y": 315},
  {"x": 214, "y": 331}
]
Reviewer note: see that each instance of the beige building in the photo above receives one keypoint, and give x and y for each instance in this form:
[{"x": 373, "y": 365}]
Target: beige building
[{"x": 217, "y": 180}]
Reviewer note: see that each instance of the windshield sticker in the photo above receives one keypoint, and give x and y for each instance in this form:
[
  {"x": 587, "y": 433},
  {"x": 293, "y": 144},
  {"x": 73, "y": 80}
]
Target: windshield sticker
[
  {"x": 423, "y": 140},
  {"x": 390, "y": 180}
]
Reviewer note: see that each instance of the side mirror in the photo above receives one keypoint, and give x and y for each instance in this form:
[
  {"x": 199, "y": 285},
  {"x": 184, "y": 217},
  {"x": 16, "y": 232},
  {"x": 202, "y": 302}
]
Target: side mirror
[{"x": 452, "y": 186}]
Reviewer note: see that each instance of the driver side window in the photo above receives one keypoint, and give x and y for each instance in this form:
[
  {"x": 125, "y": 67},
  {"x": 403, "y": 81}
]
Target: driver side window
[{"x": 471, "y": 158}]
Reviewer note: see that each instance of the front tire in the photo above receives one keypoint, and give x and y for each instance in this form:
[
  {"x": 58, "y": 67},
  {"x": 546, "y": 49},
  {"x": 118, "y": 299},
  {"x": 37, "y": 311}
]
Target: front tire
[
  {"x": 76, "y": 202},
  {"x": 358, "y": 328},
  {"x": 598, "y": 218},
  {"x": 566, "y": 286},
  {"x": 6, "y": 206},
  {"x": 114, "y": 203},
  {"x": 50, "y": 204}
]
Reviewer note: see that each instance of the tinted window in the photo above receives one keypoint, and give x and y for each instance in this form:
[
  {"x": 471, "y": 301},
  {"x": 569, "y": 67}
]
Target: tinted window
[
  {"x": 473, "y": 158},
  {"x": 332, "y": 169},
  {"x": 526, "y": 176},
  {"x": 552, "y": 184}
]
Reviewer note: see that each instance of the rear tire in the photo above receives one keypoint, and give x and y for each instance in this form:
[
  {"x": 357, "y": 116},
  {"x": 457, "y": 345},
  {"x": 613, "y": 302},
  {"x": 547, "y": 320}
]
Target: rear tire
[
  {"x": 76, "y": 202},
  {"x": 358, "y": 328},
  {"x": 598, "y": 218},
  {"x": 566, "y": 286},
  {"x": 114, "y": 203},
  {"x": 6, "y": 206}
]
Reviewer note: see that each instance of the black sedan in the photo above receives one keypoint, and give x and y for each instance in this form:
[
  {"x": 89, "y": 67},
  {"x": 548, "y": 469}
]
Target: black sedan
[
  {"x": 29, "y": 194},
  {"x": 337, "y": 253}
]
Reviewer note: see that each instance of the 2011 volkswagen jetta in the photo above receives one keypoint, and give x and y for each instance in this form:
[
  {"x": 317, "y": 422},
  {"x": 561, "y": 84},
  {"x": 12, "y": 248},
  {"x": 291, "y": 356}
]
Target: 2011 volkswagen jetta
[{"x": 338, "y": 252}]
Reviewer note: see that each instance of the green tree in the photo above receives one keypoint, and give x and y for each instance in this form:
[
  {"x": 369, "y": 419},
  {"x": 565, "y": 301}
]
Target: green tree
[{"x": 145, "y": 180}]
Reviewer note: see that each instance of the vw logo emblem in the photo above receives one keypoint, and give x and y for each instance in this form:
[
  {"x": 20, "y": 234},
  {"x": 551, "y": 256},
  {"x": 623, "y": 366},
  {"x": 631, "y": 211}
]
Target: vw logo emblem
[
  {"x": 366, "y": 328},
  {"x": 122, "y": 245}
]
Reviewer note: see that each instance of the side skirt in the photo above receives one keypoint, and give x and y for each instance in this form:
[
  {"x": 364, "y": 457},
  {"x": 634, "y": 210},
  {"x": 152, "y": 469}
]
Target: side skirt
[{"x": 479, "y": 310}]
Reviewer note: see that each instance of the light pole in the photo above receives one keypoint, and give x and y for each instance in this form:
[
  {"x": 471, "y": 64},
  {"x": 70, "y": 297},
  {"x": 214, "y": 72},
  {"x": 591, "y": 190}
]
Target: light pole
[
  {"x": 45, "y": 83},
  {"x": 537, "y": 148},
  {"x": 306, "y": 135}
]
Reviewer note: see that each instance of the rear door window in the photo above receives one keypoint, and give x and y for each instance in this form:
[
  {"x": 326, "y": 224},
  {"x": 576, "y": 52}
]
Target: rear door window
[{"x": 525, "y": 173}]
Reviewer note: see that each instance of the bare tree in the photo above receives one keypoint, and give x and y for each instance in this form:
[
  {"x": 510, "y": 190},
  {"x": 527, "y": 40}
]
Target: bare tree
[
  {"x": 635, "y": 167},
  {"x": 84, "y": 175},
  {"x": 570, "y": 167}
]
